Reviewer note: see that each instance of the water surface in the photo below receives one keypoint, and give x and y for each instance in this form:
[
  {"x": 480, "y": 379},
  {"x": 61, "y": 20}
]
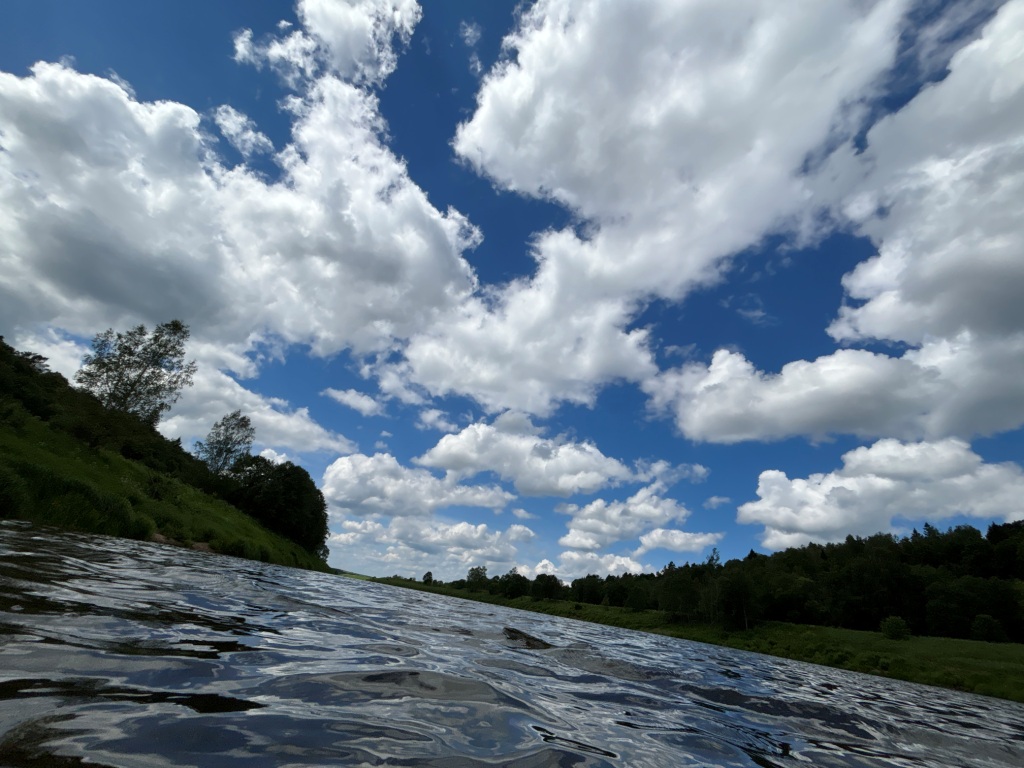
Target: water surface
[{"x": 119, "y": 653}]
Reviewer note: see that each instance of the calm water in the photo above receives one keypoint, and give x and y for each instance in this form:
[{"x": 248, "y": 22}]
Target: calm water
[{"x": 116, "y": 653}]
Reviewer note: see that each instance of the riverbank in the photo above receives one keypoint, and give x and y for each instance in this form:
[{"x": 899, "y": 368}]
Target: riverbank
[
  {"x": 50, "y": 478},
  {"x": 990, "y": 669}
]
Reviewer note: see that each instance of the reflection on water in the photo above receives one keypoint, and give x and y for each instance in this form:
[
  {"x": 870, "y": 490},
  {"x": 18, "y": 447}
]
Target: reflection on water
[{"x": 116, "y": 653}]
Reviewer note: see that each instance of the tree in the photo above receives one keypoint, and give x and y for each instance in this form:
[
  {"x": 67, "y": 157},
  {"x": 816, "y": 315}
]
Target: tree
[
  {"x": 138, "y": 372},
  {"x": 476, "y": 578},
  {"x": 428, "y": 577},
  {"x": 284, "y": 498},
  {"x": 228, "y": 441}
]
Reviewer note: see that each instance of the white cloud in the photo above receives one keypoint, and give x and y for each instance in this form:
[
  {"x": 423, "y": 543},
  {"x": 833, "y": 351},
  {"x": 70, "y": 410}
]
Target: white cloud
[
  {"x": 354, "y": 40},
  {"x": 714, "y": 502},
  {"x": 673, "y": 160},
  {"x": 119, "y": 212},
  {"x": 278, "y": 425},
  {"x": 676, "y": 541},
  {"x": 512, "y": 448},
  {"x": 602, "y": 523},
  {"x": 64, "y": 355},
  {"x": 241, "y": 131},
  {"x": 938, "y": 190},
  {"x": 358, "y": 401},
  {"x": 947, "y": 173},
  {"x": 879, "y": 483},
  {"x": 273, "y": 456},
  {"x": 963, "y": 386},
  {"x": 522, "y": 514},
  {"x": 410, "y": 547},
  {"x": 434, "y": 418},
  {"x": 574, "y": 565},
  {"x": 527, "y": 349},
  {"x": 379, "y": 485},
  {"x": 470, "y": 33}
]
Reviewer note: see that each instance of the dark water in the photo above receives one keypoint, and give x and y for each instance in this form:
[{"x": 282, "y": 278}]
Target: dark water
[{"x": 116, "y": 653}]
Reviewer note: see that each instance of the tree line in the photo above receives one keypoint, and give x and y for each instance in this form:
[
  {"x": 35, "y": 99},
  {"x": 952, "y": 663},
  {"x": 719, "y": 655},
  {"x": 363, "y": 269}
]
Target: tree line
[
  {"x": 126, "y": 383},
  {"x": 957, "y": 583}
]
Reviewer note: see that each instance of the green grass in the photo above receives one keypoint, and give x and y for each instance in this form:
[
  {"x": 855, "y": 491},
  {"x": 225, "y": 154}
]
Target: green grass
[
  {"x": 991, "y": 669},
  {"x": 49, "y": 477}
]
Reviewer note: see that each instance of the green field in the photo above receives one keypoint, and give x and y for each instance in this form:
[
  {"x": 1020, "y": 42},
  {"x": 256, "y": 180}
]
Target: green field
[{"x": 991, "y": 669}]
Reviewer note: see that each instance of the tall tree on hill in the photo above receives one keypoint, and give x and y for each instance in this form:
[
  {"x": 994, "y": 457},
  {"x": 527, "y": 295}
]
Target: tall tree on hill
[
  {"x": 228, "y": 441},
  {"x": 284, "y": 498},
  {"x": 138, "y": 372}
]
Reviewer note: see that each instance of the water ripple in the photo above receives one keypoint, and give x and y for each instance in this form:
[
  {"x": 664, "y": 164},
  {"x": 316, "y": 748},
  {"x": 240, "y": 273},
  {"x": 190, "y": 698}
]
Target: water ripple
[{"x": 116, "y": 653}]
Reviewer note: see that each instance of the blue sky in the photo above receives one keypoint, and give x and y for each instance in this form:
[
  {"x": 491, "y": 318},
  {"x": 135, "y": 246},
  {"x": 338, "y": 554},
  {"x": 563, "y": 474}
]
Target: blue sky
[{"x": 572, "y": 287}]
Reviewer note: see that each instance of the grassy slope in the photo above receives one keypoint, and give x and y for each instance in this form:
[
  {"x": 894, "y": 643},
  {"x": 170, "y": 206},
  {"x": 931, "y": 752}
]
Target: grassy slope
[
  {"x": 46, "y": 476},
  {"x": 992, "y": 669}
]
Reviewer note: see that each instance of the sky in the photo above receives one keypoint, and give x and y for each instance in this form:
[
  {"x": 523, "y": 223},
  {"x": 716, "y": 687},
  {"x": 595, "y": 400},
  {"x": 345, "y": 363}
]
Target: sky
[{"x": 566, "y": 286}]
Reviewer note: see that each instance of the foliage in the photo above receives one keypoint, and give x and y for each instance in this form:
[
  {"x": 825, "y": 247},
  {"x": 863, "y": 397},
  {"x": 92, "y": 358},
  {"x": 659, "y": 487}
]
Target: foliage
[
  {"x": 476, "y": 578},
  {"x": 138, "y": 372},
  {"x": 228, "y": 441},
  {"x": 894, "y": 628},
  {"x": 284, "y": 498},
  {"x": 67, "y": 461},
  {"x": 428, "y": 578}
]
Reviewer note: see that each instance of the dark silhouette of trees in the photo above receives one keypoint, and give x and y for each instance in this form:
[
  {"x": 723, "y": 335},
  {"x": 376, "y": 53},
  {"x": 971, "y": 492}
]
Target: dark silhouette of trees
[
  {"x": 476, "y": 578},
  {"x": 954, "y": 583},
  {"x": 284, "y": 498},
  {"x": 228, "y": 441},
  {"x": 138, "y": 372}
]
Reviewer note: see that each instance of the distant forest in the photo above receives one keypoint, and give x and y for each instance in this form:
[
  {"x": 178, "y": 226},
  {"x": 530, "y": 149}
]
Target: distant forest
[{"x": 956, "y": 583}]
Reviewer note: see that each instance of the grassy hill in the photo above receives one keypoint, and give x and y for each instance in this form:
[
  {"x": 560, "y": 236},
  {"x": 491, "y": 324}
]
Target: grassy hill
[{"x": 68, "y": 462}]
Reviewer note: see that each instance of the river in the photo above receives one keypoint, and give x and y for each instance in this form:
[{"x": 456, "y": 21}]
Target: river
[{"x": 120, "y": 653}]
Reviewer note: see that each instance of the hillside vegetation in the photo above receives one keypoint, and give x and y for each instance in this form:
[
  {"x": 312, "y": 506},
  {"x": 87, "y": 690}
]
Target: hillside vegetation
[{"x": 68, "y": 461}]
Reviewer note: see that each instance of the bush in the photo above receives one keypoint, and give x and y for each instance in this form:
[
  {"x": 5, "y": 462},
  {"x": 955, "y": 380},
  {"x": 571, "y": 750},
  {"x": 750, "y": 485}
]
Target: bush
[
  {"x": 987, "y": 628},
  {"x": 14, "y": 497},
  {"x": 895, "y": 628}
]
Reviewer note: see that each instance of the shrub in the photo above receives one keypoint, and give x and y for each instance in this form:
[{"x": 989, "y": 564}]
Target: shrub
[
  {"x": 987, "y": 628},
  {"x": 14, "y": 497},
  {"x": 895, "y": 628}
]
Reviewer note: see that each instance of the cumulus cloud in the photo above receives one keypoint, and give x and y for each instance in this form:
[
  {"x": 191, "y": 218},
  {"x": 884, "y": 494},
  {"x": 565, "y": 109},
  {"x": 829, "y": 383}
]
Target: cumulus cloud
[
  {"x": 278, "y": 425},
  {"x": 676, "y": 541},
  {"x": 434, "y": 418},
  {"x": 602, "y": 523},
  {"x": 937, "y": 189},
  {"x": 668, "y": 174},
  {"x": 379, "y": 485},
  {"x": 574, "y": 565},
  {"x": 357, "y": 401},
  {"x": 241, "y": 131},
  {"x": 354, "y": 40},
  {"x": 410, "y": 547},
  {"x": 889, "y": 480},
  {"x": 513, "y": 448}
]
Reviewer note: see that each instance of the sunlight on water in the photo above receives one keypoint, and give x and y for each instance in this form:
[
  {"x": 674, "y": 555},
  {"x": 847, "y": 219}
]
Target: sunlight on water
[{"x": 117, "y": 653}]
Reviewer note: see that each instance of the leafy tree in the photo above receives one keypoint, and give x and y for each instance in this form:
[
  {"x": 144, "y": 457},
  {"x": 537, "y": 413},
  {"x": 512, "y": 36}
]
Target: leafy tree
[
  {"x": 476, "y": 578},
  {"x": 284, "y": 498},
  {"x": 138, "y": 372},
  {"x": 513, "y": 584},
  {"x": 228, "y": 441},
  {"x": 546, "y": 587},
  {"x": 895, "y": 628}
]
